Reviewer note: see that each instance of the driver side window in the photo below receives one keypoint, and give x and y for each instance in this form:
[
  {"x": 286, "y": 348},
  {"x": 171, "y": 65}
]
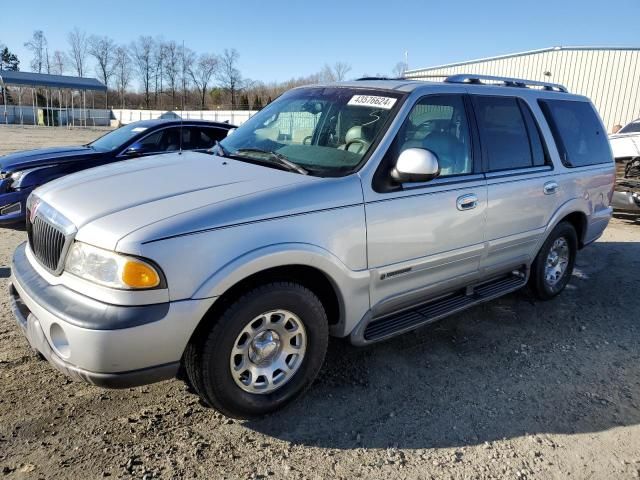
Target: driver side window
[{"x": 439, "y": 123}]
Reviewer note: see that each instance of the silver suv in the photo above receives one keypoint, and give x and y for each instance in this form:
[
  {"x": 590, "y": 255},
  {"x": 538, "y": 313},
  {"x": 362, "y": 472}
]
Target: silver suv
[{"x": 362, "y": 210}]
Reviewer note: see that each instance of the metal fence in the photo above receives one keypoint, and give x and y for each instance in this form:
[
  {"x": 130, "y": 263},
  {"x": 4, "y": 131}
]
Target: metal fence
[
  {"x": 55, "y": 117},
  {"x": 234, "y": 117}
]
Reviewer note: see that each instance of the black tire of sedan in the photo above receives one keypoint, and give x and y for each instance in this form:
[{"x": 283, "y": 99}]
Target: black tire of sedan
[
  {"x": 264, "y": 351},
  {"x": 553, "y": 266}
]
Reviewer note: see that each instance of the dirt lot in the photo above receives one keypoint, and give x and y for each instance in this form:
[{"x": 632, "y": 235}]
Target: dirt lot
[{"x": 513, "y": 389}]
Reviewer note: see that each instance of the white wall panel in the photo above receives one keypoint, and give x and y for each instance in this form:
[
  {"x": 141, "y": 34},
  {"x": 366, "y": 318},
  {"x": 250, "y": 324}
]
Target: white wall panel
[{"x": 609, "y": 76}]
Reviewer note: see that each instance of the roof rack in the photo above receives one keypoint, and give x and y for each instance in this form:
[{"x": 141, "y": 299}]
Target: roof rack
[
  {"x": 361, "y": 79},
  {"x": 506, "y": 81}
]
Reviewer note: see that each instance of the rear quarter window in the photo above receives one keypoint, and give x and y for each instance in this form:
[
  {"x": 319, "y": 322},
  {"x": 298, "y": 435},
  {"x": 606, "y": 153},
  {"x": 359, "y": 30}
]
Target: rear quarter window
[{"x": 578, "y": 132}]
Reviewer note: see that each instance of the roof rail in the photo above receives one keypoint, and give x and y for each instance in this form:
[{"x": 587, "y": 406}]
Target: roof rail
[{"x": 506, "y": 81}]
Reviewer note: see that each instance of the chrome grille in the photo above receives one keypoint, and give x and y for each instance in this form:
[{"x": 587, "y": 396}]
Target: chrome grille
[
  {"x": 50, "y": 235},
  {"x": 47, "y": 243}
]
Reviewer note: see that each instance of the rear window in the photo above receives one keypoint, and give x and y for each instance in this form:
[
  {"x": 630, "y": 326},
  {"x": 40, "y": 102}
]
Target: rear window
[{"x": 578, "y": 133}]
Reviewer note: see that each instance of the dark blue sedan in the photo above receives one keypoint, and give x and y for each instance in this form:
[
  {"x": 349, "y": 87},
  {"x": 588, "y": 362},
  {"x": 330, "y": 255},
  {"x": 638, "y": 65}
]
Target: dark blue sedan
[{"x": 21, "y": 172}]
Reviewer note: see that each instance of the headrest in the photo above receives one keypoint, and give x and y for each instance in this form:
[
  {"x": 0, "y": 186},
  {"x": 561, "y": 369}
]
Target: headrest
[{"x": 354, "y": 133}]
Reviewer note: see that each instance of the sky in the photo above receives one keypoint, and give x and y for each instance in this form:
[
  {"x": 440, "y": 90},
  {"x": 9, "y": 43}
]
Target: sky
[{"x": 279, "y": 39}]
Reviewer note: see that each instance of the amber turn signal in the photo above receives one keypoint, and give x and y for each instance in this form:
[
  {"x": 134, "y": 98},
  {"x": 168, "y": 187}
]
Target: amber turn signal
[{"x": 139, "y": 275}]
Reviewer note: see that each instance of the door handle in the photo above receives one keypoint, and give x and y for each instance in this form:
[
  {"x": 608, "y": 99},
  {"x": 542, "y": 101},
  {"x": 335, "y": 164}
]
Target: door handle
[
  {"x": 467, "y": 202},
  {"x": 550, "y": 188}
]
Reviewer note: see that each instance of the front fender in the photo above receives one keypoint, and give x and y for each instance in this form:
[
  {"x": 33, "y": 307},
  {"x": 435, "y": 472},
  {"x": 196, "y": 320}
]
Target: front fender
[{"x": 349, "y": 284}]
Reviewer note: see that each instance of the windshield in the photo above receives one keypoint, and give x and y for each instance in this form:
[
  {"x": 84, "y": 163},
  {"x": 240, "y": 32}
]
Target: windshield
[
  {"x": 117, "y": 138},
  {"x": 327, "y": 131},
  {"x": 633, "y": 127}
]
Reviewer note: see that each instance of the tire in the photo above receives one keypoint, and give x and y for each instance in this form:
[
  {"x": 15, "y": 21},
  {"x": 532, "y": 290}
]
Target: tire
[
  {"x": 251, "y": 324},
  {"x": 542, "y": 282}
]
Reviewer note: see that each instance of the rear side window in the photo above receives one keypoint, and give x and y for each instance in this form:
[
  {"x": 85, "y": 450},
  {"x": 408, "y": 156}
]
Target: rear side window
[
  {"x": 578, "y": 133},
  {"x": 508, "y": 133}
]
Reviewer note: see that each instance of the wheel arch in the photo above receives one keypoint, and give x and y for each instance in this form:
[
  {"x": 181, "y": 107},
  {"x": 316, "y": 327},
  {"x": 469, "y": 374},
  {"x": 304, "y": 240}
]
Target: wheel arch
[{"x": 309, "y": 265}]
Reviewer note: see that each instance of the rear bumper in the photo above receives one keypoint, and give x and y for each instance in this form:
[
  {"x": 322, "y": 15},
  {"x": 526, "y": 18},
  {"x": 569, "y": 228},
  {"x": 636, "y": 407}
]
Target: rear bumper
[{"x": 113, "y": 346}]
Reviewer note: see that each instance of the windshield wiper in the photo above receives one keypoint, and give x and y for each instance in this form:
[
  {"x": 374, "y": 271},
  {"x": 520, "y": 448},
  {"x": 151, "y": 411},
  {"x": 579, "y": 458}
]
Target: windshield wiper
[{"x": 278, "y": 158}]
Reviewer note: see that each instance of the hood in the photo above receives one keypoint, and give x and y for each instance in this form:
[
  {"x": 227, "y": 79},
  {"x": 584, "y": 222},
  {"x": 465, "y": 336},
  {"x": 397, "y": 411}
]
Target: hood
[
  {"x": 173, "y": 192},
  {"x": 45, "y": 156}
]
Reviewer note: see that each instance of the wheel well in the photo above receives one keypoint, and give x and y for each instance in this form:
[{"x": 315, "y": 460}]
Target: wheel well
[
  {"x": 310, "y": 277},
  {"x": 579, "y": 222}
]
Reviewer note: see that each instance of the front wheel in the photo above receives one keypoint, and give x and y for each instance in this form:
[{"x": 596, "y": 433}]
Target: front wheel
[
  {"x": 264, "y": 350},
  {"x": 553, "y": 266}
]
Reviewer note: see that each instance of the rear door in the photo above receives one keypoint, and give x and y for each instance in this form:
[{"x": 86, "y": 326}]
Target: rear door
[{"x": 521, "y": 182}]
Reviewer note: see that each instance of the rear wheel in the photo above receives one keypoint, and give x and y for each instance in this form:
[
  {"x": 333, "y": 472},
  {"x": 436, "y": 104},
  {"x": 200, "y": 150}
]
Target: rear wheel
[
  {"x": 553, "y": 266},
  {"x": 263, "y": 351}
]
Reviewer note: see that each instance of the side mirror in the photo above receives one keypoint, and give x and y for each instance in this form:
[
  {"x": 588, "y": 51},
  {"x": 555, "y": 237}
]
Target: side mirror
[
  {"x": 416, "y": 165},
  {"x": 132, "y": 151}
]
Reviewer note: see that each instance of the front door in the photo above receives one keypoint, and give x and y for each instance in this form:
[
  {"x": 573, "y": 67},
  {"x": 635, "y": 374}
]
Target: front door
[{"x": 424, "y": 239}]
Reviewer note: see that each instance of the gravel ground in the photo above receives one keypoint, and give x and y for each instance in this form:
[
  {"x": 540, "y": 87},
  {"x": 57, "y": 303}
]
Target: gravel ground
[{"x": 514, "y": 389}]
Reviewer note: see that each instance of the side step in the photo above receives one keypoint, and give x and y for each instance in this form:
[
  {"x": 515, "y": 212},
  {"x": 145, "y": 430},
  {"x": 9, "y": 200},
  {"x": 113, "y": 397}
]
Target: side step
[{"x": 396, "y": 323}]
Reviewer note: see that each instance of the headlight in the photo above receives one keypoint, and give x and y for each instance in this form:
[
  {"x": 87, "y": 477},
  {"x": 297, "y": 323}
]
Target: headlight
[
  {"x": 18, "y": 177},
  {"x": 111, "y": 269}
]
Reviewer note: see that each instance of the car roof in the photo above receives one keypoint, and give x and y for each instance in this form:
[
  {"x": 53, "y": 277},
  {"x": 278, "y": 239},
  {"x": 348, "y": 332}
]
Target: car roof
[
  {"x": 169, "y": 122},
  {"x": 410, "y": 85}
]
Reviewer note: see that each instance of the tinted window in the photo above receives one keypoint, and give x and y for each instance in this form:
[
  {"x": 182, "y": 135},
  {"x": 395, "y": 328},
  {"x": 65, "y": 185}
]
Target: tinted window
[
  {"x": 165, "y": 140},
  {"x": 577, "y": 131},
  {"x": 504, "y": 135},
  {"x": 209, "y": 136},
  {"x": 633, "y": 127},
  {"x": 439, "y": 124}
]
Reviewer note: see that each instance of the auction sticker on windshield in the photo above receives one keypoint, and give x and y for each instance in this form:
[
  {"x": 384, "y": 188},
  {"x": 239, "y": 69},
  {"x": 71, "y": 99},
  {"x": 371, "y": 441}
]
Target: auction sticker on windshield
[{"x": 385, "y": 103}]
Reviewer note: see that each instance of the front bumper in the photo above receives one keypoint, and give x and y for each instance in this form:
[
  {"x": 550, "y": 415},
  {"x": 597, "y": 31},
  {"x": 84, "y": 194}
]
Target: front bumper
[
  {"x": 111, "y": 346},
  {"x": 628, "y": 201},
  {"x": 7, "y": 201}
]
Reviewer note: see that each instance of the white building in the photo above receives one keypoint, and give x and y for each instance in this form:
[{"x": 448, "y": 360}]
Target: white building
[{"x": 609, "y": 76}]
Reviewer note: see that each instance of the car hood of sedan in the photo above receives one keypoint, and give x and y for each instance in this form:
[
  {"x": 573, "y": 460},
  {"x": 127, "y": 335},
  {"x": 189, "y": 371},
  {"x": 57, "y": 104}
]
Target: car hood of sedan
[
  {"x": 175, "y": 194},
  {"x": 44, "y": 156}
]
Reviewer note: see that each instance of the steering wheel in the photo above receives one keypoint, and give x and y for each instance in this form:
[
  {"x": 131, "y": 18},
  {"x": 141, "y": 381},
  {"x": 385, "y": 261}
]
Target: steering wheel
[
  {"x": 304, "y": 141},
  {"x": 357, "y": 140}
]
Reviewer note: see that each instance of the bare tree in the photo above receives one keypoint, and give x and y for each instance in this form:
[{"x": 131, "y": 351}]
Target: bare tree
[
  {"x": 172, "y": 68},
  {"x": 158, "y": 66},
  {"x": 399, "y": 69},
  {"x": 229, "y": 75},
  {"x": 202, "y": 72},
  {"x": 38, "y": 48},
  {"x": 58, "y": 62},
  {"x": 122, "y": 70},
  {"x": 336, "y": 73},
  {"x": 102, "y": 49},
  {"x": 142, "y": 55},
  {"x": 78, "y": 50},
  {"x": 340, "y": 70},
  {"x": 187, "y": 59}
]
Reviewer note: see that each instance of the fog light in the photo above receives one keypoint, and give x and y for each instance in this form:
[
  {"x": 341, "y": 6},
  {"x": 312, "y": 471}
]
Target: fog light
[
  {"x": 59, "y": 340},
  {"x": 12, "y": 208}
]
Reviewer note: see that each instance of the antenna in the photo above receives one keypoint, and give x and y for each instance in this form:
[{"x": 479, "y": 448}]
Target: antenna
[{"x": 182, "y": 103}]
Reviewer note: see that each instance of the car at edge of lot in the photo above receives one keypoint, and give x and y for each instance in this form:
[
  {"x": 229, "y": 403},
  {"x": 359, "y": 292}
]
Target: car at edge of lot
[
  {"x": 363, "y": 209},
  {"x": 22, "y": 172},
  {"x": 626, "y": 151}
]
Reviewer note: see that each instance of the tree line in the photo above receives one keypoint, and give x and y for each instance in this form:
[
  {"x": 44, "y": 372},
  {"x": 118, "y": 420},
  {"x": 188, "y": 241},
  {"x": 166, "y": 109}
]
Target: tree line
[{"x": 170, "y": 76}]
